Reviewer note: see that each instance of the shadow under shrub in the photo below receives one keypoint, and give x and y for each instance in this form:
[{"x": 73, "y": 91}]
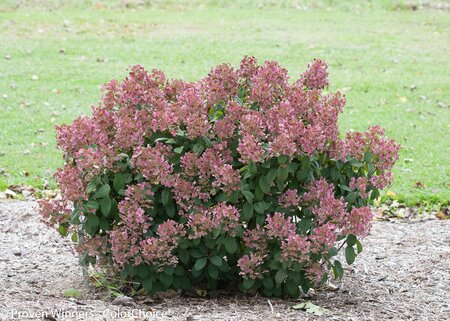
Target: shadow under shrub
[{"x": 238, "y": 181}]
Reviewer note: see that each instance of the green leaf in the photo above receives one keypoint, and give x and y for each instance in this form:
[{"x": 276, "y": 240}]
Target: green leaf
[
  {"x": 166, "y": 279},
  {"x": 356, "y": 163},
  {"x": 292, "y": 167},
  {"x": 92, "y": 204},
  {"x": 119, "y": 182},
  {"x": 280, "y": 276},
  {"x": 350, "y": 198},
  {"x": 105, "y": 206},
  {"x": 102, "y": 191},
  {"x": 338, "y": 270},
  {"x": 198, "y": 148},
  {"x": 248, "y": 196},
  {"x": 282, "y": 174},
  {"x": 92, "y": 221},
  {"x": 350, "y": 255},
  {"x": 216, "y": 260},
  {"x": 179, "y": 149},
  {"x": 200, "y": 264},
  {"x": 345, "y": 188},
  {"x": 213, "y": 271},
  {"x": 271, "y": 175},
  {"x": 147, "y": 284},
  {"x": 359, "y": 246},
  {"x": 351, "y": 240},
  {"x": 292, "y": 289},
  {"x": 265, "y": 187},
  {"x": 282, "y": 159},
  {"x": 247, "y": 211},
  {"x": 268, "y": 283},
  {"x": 241, "y": 93},
  {"x": 143, "y": 271},
  {"x": 230, "y": 245},
  {"x": 165, "y": 196},
  {"x": 62, "y": 230},
  {"x": 261, "y": 207},
  {"x": 183, "y": 255},
  {"x": 248, "y": 283},
  {"x": 367, "y": 156},
  {"x": 170, "y": 210}
]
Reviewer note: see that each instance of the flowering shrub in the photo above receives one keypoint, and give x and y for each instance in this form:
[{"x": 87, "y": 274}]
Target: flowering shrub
[{"x": 240, "y": 180}]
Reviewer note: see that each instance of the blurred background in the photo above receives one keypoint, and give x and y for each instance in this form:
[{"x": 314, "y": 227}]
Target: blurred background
[{"x": 390, "y": 58}]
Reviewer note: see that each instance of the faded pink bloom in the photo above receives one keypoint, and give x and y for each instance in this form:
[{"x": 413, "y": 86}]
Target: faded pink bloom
[
  {"x": 289, "y": 198},
  {"x": 55, "y": 212},
  {"x": 227, "y": 178},
  {"x": 279, "y": 227},
  {"x": 256, "y": 239},
  {"x": 359, "y": 221},
  {"x": 251, "y": 266},
  {"x": 360, "y": 185},
  {"x": 152, "y": 164},
  {"x": 326, "y": 207},
  {"x": 250, "y": 150},
  {"x": 315, "y": 273},
  {"x": 70, "y": 182},
  {"x": 323, "y": 238},
  {"x": 268, "y": 84},
  {"x": 316, "y": 77},
  {"x": 295, "y": 248}
]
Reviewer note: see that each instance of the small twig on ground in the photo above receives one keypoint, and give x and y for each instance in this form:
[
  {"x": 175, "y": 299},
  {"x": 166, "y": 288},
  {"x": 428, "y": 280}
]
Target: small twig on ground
[{"x": 271, "y": 306}]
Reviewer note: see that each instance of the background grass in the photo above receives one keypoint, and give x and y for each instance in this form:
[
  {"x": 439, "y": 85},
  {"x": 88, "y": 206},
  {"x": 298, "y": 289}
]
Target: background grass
[{"x": 391, "y": 61}]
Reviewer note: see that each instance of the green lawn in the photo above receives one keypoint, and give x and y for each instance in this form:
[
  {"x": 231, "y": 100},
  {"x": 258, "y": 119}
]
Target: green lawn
[{"x": 393, "y": 65}]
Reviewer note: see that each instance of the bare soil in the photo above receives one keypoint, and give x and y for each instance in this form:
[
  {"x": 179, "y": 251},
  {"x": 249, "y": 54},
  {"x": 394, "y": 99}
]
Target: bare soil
[{"x": 402, "y": 274}]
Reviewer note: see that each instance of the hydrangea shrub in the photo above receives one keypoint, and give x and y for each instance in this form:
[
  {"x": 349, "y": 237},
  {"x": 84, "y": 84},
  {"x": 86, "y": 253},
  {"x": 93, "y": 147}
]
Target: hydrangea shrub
[{"x": 238, "y": 181}]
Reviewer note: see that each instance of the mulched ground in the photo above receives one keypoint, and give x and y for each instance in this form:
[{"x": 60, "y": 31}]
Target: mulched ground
[{"x": 402, "y": 274}]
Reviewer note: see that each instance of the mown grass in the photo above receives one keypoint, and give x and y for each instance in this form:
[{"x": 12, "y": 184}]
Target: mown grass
[{"x": 392, "y": 64}]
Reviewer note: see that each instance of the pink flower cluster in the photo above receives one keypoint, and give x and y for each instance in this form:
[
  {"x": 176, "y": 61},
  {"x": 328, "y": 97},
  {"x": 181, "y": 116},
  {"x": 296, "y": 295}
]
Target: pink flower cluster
[{"x": 222, "y": 217}]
